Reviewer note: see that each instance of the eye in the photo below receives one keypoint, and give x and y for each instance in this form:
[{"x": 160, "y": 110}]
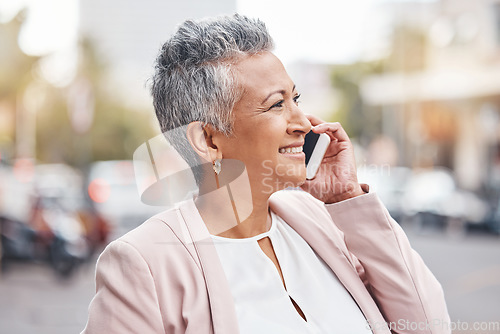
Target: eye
[
  {"x": 278, "y": 104},
  {"x": 296, "y": 99}
]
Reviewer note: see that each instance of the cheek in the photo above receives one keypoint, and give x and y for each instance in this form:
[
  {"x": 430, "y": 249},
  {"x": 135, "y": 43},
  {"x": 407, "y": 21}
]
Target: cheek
[
  {"x": 274, "y": 131},
  {"x": 257, "y": 141},
  {"x": 267, "y": 136}
]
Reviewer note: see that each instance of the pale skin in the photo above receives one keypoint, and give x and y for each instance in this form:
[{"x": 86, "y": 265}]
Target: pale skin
[{"x": 266, "y": 119}]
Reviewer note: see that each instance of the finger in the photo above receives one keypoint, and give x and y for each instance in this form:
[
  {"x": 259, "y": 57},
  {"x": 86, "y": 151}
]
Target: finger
[
  {"x": 314, "y": 120},
  {"x": 320, "y": 126},
  {"x": 334, "y": 129}
]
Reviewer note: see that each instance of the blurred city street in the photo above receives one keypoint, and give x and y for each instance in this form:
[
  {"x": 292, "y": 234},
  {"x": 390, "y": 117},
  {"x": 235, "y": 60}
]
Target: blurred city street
[
  {"x": 414, "y": 83},
  {"x": 34, "y": 300},
  {"x": 469, "y": 271}
]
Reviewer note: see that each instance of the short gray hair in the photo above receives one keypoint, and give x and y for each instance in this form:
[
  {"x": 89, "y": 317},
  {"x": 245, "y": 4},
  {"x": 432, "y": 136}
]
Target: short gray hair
[{"x": 193, "y": 80}]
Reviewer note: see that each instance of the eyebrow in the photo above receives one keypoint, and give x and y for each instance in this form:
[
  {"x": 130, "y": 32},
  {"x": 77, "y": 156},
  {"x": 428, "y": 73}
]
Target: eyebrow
[{"x": 281, "y": 91}]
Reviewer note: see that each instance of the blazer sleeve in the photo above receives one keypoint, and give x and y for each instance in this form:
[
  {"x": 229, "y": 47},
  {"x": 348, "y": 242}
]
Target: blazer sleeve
[
  {"x": 126, "y": 299},
  {"x": 406, "y": 292}
]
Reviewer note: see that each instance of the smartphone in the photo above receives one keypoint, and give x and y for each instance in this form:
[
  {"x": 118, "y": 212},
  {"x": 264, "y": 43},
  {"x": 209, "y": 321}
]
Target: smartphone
[{"x": 315, "y": 147}]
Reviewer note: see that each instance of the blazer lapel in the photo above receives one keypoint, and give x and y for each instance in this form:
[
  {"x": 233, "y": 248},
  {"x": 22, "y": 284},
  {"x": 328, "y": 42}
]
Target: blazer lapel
[
  {"x": 322, "y": 238},
  {"x": 315, "y": 231},
  {"x": 224, "y": 318}
]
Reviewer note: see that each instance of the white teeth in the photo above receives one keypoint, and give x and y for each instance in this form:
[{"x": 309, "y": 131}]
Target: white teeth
[{"x": 291, "y": 150}]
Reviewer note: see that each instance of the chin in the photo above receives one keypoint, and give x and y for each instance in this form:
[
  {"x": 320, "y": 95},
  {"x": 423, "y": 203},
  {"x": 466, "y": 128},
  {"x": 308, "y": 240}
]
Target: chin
[
  {"x": 293, "y": 181},
  {"x": 274, "y": 179},
  {"x": 302, "y": 182}
]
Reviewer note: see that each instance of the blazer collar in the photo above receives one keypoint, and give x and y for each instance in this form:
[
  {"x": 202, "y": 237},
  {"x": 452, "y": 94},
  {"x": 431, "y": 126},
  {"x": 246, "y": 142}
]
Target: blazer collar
[{"x": 221, "y": 301}]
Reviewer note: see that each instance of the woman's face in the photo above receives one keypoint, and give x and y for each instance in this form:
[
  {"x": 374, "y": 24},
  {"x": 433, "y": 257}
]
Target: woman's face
[{"x": 269, "y": 128}]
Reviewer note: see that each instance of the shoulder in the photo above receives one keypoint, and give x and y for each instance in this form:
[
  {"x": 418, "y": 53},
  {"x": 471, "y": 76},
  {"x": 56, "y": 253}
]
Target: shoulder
[
  {"x": 297, "y": 200},
  {"x": 296, "y": 196},
  {"x": 297, "y": 206},
  {"x": 160, "y": 239},
  {"x": 164, "y": 225}
]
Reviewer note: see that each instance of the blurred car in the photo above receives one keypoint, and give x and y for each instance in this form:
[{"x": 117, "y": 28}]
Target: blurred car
[
  {"x": 433, "y": 197},
  {"x": 16, "y": 189},
  {"x": 18, "y": 241},
  {"x": 112, "y": 188},
  {"x": 389, "y": 182},
  {"x": 60, "y": 232},
  {"x": 493, "y": 219},
  {"x": 429, "y": 197},
  {"x": 57, "y": 225},
  {"x": 65, "y": 186}
]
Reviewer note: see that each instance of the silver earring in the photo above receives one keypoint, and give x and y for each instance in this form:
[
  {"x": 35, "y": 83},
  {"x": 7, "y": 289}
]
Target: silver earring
[{"x": 217, "y": 166}]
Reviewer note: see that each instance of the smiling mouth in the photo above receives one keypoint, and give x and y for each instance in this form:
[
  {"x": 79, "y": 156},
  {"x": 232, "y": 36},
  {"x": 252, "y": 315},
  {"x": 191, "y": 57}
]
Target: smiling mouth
[{"x": 291, "y": 150}]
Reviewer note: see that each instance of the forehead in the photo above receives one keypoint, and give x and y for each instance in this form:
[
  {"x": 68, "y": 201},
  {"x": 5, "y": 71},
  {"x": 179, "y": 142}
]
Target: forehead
[{"x": 260, "y": 73}]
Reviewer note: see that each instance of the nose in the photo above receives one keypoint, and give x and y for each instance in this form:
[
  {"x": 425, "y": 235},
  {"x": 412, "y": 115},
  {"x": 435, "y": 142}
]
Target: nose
[{"x": 298, "y": 122}]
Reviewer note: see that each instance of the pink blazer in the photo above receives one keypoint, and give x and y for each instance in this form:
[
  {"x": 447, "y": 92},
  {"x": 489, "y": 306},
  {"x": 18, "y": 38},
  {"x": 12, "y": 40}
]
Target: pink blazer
[{"x": 165, "y": 275}]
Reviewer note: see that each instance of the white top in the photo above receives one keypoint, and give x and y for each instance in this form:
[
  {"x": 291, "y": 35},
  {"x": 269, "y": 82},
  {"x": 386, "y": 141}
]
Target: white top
[{"x": 262, "y": 303}]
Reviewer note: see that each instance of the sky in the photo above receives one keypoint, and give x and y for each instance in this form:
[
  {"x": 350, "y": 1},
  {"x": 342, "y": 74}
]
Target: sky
[
  {"x": 326, "y": 31},
  {"x": 316, "y": 30},
  {"x": 51, "y": 25}
]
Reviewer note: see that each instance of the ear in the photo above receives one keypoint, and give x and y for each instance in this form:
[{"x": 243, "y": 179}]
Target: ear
[{"x": 200, "y": 137}]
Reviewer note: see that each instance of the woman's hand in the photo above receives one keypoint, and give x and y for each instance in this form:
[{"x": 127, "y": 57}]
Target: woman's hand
[{"x": 336, "y": 179}]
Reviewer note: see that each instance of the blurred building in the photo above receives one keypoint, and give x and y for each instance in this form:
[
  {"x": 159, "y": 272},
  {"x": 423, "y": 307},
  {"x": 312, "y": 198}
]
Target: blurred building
[
  {"x": 441, "y": 100},
  {"x": 315, "y": 86},
  {"x": 128, "y": 35}
]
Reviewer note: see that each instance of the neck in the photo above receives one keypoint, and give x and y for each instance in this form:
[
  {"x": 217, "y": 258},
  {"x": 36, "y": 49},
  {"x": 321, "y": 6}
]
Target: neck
[
  {"x": 258, "y": 222},
  {"x": 233, "y": 210}
]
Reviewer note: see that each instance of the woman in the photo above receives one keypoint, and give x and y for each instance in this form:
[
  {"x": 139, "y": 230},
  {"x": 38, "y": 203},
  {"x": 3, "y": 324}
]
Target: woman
[{"x": 243, "y": 256}]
